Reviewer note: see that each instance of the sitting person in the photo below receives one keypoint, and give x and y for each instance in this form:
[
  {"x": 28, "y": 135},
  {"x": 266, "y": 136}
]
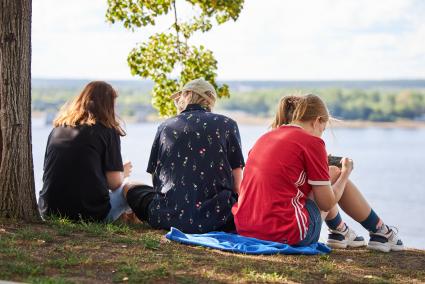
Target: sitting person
[
  {"x": 287, "y": 185},
  {"x": 196, "y": 164},
  {"x": 83, "y": 168}
]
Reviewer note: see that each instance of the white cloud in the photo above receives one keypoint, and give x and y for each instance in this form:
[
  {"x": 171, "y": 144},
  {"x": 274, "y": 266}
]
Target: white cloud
[{"x": 273, "y": 39}]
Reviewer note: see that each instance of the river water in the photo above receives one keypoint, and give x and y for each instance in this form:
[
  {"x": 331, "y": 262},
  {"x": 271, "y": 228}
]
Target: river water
[{"x": 389, "y": 168}]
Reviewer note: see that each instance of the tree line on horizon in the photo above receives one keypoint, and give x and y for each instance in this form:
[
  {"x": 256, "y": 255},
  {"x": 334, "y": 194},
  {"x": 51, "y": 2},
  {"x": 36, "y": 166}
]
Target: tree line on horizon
[{"x": 348, "y": 104}]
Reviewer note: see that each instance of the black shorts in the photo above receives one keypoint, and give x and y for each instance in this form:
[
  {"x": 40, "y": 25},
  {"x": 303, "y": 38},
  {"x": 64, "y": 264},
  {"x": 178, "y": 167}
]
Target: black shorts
[{"x": 139, "y": 198}]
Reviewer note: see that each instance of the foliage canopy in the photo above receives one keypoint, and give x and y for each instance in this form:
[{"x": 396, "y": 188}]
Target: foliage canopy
[{"x": 168, "y": 53}]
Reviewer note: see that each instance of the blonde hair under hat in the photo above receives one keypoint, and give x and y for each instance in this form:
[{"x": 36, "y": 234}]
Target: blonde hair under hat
[{"x": 201, "y": 87}]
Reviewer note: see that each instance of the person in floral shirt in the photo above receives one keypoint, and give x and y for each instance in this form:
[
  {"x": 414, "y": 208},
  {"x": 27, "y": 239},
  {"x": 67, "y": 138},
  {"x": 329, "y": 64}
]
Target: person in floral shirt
[{"x": 196, "y": 164}]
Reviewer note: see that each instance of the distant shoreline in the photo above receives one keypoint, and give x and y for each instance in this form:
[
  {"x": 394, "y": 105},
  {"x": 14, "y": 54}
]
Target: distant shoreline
[
  {"x": 246, "y": 119},
  {"x": 243, "y": 118},
  {"x": 411, "y": 124}
]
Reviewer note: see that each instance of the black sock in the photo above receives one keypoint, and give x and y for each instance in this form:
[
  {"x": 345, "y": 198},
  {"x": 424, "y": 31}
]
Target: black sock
[
  {"x": 372, "y": 222},
  {"x": 334, "y": 223}
]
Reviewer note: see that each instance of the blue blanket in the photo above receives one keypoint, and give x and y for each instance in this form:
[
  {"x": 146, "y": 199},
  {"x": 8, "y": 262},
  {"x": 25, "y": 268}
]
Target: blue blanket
[{"x": 240, "y": 244}]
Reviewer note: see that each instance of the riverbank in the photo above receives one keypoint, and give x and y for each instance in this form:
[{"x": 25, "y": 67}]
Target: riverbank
[
  {"x": 244, "y": 118},
  {"x": 59, "y": 251},
  {"x": 247, "y": 119}
]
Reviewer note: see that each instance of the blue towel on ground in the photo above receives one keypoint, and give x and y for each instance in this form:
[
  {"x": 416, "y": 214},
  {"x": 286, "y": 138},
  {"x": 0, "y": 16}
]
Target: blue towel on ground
[{"x": 239, "y": 244}]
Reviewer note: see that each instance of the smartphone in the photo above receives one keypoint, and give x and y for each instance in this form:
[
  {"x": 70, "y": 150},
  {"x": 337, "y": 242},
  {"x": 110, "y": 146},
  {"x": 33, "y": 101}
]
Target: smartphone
[{"x": 334, "y": 161}]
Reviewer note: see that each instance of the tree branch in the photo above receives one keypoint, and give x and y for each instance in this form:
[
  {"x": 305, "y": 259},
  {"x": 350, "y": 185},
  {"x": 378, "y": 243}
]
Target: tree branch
[{"x": 177, "y": 27}]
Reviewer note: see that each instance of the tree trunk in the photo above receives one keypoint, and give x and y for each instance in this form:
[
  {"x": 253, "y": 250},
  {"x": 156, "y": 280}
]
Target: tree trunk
[{"x": 17, "y": 189}]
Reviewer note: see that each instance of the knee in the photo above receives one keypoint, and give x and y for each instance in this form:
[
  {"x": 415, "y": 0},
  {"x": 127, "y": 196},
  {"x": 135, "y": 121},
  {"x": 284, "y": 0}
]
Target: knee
[
  {"x": 334, "y": 173},
  {"x": 128, "y": 186}
]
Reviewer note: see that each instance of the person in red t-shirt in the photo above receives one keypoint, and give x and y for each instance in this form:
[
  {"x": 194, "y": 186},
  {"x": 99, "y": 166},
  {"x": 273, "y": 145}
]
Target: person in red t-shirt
[{"x": 288, "y": 186}]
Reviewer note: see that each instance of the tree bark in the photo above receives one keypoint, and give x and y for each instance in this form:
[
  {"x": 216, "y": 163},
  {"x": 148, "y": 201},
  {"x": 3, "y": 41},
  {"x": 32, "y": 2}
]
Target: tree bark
[{"x": 17, "y": 189}]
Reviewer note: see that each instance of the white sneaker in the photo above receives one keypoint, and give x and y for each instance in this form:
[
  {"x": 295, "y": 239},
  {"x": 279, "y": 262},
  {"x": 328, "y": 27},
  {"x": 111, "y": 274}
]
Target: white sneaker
[
  {"x": 385, "y": 241},
  {"x": 343, "y": 239}
]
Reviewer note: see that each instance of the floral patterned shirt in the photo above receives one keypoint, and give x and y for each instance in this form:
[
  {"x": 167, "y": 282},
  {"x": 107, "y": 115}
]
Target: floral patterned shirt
[{"x": 191, "y": 162}]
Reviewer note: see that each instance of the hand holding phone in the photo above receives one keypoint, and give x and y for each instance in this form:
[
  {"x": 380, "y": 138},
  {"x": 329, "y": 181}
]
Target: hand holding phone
[
  {"x": 334, "y": 161},
  {"x": 347, "y": 165}
]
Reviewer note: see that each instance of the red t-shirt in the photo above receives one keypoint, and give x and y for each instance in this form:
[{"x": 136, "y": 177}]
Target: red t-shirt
[{"x": 281, "y": 167}]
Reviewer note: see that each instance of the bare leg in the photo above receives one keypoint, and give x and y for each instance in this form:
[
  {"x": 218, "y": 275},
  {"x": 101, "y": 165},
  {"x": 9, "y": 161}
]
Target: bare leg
[
  {"x": 334, "y": 173},
  {"x": 355, "y": 205},
  {"x": 352, "y": 201}
]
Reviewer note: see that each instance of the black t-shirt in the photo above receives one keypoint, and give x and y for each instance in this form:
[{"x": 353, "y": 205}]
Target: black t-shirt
[
  {"x": 75, "y": 166},
  {"x": 191, "y": 161}
]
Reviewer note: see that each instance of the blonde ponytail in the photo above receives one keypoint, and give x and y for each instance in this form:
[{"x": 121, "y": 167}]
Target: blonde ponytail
[
  {"x": 285, "y": 110},
  {"x": 300, "y": 108}
]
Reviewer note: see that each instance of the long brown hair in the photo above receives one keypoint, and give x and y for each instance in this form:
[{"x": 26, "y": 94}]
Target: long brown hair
[
  {"x": 300, "y": 108},
  {"x": 95, "y": 104}
]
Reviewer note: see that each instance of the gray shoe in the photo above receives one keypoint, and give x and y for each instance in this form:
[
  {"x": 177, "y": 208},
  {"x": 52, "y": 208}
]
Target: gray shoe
[
  {"x": 385, "y": 242},
  {"x": 343, "y": 239}
]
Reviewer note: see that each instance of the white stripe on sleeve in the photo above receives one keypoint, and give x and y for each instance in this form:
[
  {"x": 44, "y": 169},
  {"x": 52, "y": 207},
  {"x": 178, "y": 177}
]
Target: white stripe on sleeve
[{"x": 319, "y": 182}]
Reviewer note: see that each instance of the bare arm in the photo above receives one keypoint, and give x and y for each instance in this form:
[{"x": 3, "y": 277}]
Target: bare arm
[
  {"x": 237, "y": 179},
  {"x": 327, "y": 196},
  {"x": 116, "y": 178}
]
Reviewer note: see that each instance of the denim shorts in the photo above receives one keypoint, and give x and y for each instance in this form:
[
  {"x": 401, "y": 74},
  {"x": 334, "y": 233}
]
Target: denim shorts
[
  {"x": 313, "y": 232},
  {"x": 118, "y": 204}
]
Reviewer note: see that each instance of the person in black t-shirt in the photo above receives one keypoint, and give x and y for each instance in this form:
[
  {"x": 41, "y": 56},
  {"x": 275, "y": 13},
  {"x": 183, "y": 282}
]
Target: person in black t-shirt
[
  {"x": 196, "y": 163},
  {"x": 83, "y": 169}
]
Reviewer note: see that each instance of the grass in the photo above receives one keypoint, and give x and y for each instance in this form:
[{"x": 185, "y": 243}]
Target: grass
[
  {"x": 132, "y": 274},
  {"x": 60, "y": 251},
  {"x": 267, "y": 277}
]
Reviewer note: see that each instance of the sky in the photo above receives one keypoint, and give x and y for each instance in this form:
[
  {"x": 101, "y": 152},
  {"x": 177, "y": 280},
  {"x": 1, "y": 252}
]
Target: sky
[{"x": 271, "y": 40}]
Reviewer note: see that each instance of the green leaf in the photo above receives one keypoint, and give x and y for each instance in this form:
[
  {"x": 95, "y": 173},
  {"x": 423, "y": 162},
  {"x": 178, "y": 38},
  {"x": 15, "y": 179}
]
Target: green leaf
[{"x": 166, "y": 54}]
